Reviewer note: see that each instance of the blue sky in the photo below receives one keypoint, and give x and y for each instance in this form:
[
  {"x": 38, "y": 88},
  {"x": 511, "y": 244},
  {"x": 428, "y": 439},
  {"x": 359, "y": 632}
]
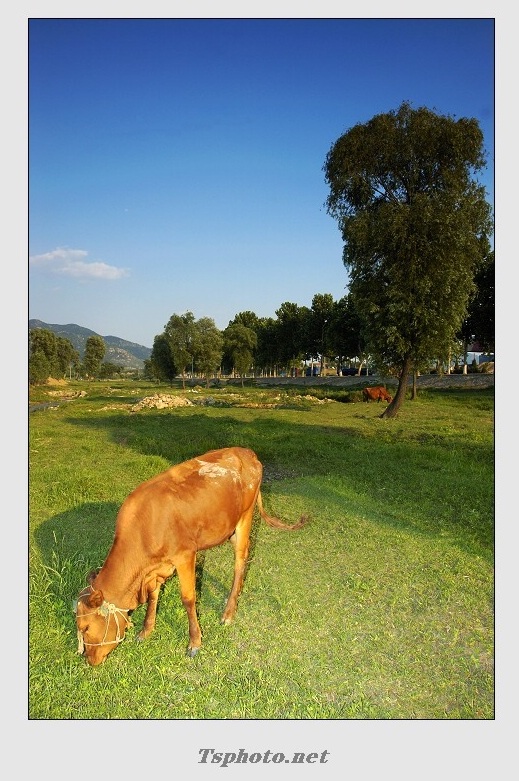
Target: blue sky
[{"x": 176, "y": 164}]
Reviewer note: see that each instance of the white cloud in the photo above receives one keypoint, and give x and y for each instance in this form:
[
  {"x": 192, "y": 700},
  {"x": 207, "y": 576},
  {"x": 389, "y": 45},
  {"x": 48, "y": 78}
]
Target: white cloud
[{"x": 73, "y": 263}]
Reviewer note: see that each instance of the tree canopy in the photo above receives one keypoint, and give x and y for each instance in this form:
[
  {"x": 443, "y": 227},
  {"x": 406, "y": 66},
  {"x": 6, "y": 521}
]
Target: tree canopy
[
  {"x": 415, "y": 226},
  {"x": 180, "y": 333},
  {"x": 345, "y": 334},
  {"x": 186, "y": 343},
  {"x": 207, "y": 347},
  {"x": 161, "y": 363},
  {"x": 95, "y": 349},
  {"x": 292, "y": 332},
  {"x": 479, "y": 325},
  {"x": 50, "y": 355},
  {"x": 240, "y": 342}
]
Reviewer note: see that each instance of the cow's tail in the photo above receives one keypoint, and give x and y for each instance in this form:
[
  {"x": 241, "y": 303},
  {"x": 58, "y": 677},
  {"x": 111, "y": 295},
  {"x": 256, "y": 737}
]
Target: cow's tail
[{"x": 275, "y": 522}]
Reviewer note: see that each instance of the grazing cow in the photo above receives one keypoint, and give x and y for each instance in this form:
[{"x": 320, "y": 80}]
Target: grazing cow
[
  {"x": 160, "y": 527},
  {"x": 377, "y": 394}
]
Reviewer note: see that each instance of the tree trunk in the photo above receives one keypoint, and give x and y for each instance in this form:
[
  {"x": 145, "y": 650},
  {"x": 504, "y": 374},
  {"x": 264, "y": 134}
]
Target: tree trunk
[
  {"x": 414, "y": 393},
  {"x": 465, "y": 355},
  {"x": 392, "y": 409}
]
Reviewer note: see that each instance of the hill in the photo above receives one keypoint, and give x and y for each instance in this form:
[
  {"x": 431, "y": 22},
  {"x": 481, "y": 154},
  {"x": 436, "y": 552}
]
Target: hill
[{"x": 118, "y": 351}]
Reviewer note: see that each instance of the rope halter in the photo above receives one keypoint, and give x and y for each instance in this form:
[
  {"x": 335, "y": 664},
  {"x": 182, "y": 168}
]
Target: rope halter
[{"x": 106, "y": 609}]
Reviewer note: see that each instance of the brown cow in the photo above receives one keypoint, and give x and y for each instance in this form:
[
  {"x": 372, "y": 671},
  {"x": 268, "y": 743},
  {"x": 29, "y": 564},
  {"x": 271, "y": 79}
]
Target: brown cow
[
  {"x": 377, "y": 393},
  {"x": 160, "y": 527}
]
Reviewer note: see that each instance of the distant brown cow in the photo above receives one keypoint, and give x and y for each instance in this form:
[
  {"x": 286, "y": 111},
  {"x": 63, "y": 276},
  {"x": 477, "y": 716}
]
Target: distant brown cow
[
  {"x": 377, "y": 393},
  {"x": 160, "y": 527}
]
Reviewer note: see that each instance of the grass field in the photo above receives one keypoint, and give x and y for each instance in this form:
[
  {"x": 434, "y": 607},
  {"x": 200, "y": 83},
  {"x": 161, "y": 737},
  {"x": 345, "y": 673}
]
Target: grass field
[{"x": 381, "y": 607}]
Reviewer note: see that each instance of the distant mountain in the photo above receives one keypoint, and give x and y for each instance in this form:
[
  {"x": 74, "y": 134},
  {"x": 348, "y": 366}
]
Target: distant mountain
[{"x": 118, "y": 351}]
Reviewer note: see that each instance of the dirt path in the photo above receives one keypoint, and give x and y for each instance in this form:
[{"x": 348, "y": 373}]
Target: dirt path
[{"x": 424, "y": 381}]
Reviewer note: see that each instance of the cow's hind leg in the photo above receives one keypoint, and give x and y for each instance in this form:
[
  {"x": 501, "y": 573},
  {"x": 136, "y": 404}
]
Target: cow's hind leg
[
  {"x": 241, "y": 541},
  {"x": 186, "y": 577}
]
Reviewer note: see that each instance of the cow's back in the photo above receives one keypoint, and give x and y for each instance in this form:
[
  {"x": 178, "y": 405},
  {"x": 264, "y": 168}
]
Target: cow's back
[
  {"x": 376, "y": 393},
  {"x": 190, "y": 506}
]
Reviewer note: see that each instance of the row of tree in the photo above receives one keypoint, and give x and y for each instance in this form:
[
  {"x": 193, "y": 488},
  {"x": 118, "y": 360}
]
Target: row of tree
[
  {"x": 328, "y": 331},
  {"x": 51, "y": 355},
  {"x": 254, "y": 344}
]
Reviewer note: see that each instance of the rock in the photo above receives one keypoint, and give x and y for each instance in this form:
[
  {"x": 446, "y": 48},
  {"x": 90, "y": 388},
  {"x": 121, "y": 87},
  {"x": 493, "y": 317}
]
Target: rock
[{"x": 161, "y": 401}]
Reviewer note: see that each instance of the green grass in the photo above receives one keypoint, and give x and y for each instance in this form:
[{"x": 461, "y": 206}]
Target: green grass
[{"x": 381, "y": 607}]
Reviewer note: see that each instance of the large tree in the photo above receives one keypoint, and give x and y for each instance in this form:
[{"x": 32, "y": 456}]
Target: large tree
[{"x": 415, "y": 225}]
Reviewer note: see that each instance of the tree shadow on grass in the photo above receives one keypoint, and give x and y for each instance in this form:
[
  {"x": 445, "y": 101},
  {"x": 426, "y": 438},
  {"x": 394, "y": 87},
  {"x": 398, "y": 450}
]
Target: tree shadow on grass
[
  {"x": 183, "y": 434},
  {"x": 345, "y": 460}
]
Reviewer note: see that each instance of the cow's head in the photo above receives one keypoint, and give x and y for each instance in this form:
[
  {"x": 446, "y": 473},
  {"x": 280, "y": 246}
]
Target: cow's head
[
  {"x": 100, "y": 625},
  {"x": 389, "y": 397}
]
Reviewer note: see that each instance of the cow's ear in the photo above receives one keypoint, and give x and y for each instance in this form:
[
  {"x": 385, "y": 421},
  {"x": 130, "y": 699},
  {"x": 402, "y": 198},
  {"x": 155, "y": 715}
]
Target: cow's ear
[
  {"x": 92, "y": 575},
  {"x": 95, "y": 599}
]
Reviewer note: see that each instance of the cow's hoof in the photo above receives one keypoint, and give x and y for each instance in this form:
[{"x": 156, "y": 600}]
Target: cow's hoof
[{"x": 191, "y": 652}]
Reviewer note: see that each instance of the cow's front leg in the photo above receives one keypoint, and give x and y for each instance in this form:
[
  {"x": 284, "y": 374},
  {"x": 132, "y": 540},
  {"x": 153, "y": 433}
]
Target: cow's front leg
[
  {"x": 186, "y": 577},
  {"x": 151, "y": 613}
]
